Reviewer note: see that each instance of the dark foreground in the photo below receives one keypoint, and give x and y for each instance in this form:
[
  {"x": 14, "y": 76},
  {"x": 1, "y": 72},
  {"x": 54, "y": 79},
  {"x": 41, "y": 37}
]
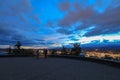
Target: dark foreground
[{"x": 29, "y": 68}]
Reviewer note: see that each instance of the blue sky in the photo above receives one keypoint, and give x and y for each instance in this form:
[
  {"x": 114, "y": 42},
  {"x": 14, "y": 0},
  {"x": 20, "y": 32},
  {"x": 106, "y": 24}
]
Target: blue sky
[{"x": 53, "y": 23}]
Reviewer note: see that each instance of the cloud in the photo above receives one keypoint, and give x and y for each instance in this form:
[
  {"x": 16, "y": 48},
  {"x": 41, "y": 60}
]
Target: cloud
[
  {"x": 64, "y": 31},
  {"x": 5, "y": 31},
  {"x": 78, "y": 13},
  {"x": 14, "y": 7},
  {"x": 65, "y": 6},
  {"x": 16, "y": 20},
  {"x": 73, "y": 38},
  {"x": 89, "y": 14},
  {"x": 58, "y": 21},
  {"x": 76, "y": 16},
  {"x": 106, "y": 23},
  {"x": 50, "y": 24}
]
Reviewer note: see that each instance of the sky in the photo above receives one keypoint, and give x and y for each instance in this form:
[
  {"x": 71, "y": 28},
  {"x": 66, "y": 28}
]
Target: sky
[{"x": 55, "y": 23}]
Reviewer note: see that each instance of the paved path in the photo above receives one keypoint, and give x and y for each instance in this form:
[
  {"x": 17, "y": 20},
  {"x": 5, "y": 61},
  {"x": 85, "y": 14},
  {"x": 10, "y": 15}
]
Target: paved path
[{"x": 54, "y": 69}]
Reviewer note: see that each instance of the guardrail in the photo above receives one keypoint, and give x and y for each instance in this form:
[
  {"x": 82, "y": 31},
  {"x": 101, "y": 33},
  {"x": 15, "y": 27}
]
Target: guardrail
[
  {"x": 2, "y": 56},
  {"x": 101, "y": 61}
]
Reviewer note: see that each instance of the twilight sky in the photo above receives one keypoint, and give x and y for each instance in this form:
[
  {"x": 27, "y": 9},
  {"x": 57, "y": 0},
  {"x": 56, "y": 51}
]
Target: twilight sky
[{"x": 53, "y": 23}]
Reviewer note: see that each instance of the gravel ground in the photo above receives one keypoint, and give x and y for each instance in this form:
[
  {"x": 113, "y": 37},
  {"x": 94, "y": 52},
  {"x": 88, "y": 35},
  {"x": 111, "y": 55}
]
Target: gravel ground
[{"x": 30, "y": 68}]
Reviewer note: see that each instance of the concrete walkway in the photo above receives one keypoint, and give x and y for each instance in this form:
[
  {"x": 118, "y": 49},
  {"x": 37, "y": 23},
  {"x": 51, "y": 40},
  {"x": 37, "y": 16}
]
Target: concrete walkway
[{"x": 29, "y": 68}]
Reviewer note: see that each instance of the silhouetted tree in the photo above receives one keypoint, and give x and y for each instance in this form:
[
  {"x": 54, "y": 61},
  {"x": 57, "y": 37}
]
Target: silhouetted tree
[
  {"x": 9, "y": 50},
  {"x": 76, "y": 50},
  {"x": 64, "y": 50},
  {"x": 53, "y": 51},
  {"x": 45, "y": 53},
  {"x": 18, "y": 45}
]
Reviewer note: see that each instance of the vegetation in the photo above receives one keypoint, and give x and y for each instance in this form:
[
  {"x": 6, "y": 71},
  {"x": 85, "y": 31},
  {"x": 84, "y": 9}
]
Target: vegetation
[
  {"x": 63, "y": 51},
  {"x": 76, "y": 50},
  {"x": 53, "y": 51},
  {"x": 18, "y": 45},
  {"x": 18, "y": 51}
]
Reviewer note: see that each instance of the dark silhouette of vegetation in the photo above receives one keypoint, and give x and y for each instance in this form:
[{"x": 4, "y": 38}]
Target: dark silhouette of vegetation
[
  {"x": 107, "y": 57},
  {"x": 28, "y": 52},
  {"x": 76, "y": 50},
  {"x": 37, "y": 54},
  {"x": 53, "y": 51},
  {"x": 18, "y": 45},
  {"x": 45, "y": 52},
  {"x": 9, "y": 50},
  {"x": 64, "y": 51},
  {"x": 20, "y": 51}
]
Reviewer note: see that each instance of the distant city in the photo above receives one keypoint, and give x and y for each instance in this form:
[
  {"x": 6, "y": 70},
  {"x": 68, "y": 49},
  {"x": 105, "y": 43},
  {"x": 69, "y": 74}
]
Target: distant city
[{"x": 111, "y": 52}]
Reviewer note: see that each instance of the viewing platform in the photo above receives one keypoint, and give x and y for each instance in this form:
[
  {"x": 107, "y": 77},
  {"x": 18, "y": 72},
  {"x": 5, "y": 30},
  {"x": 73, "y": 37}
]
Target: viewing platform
[{"x": 30, "y": 68}]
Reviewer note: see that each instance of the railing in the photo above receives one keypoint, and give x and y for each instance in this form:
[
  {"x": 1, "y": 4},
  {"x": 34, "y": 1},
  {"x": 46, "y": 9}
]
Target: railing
[{"x": 101, "y": 61}]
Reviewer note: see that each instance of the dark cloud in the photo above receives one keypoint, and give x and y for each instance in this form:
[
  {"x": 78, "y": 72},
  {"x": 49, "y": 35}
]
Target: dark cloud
[
  {"x": 14, "y": 7},
  {"x": 76, "y": 16},
  {"x": 65, "y": 6},
  {"x": 4, "y": 31},
  {"x": 16, "y": 20},
  {"x": 80, "y": 13},
  {"x": 4, "y": 41},
  {"x": 64, "y": 31},
  {"x": 57, "y": 21},
  {"x": 39, "y": 40},
  {"x": 105, "y": 22},
  {"x": 50, "y": 24}
]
